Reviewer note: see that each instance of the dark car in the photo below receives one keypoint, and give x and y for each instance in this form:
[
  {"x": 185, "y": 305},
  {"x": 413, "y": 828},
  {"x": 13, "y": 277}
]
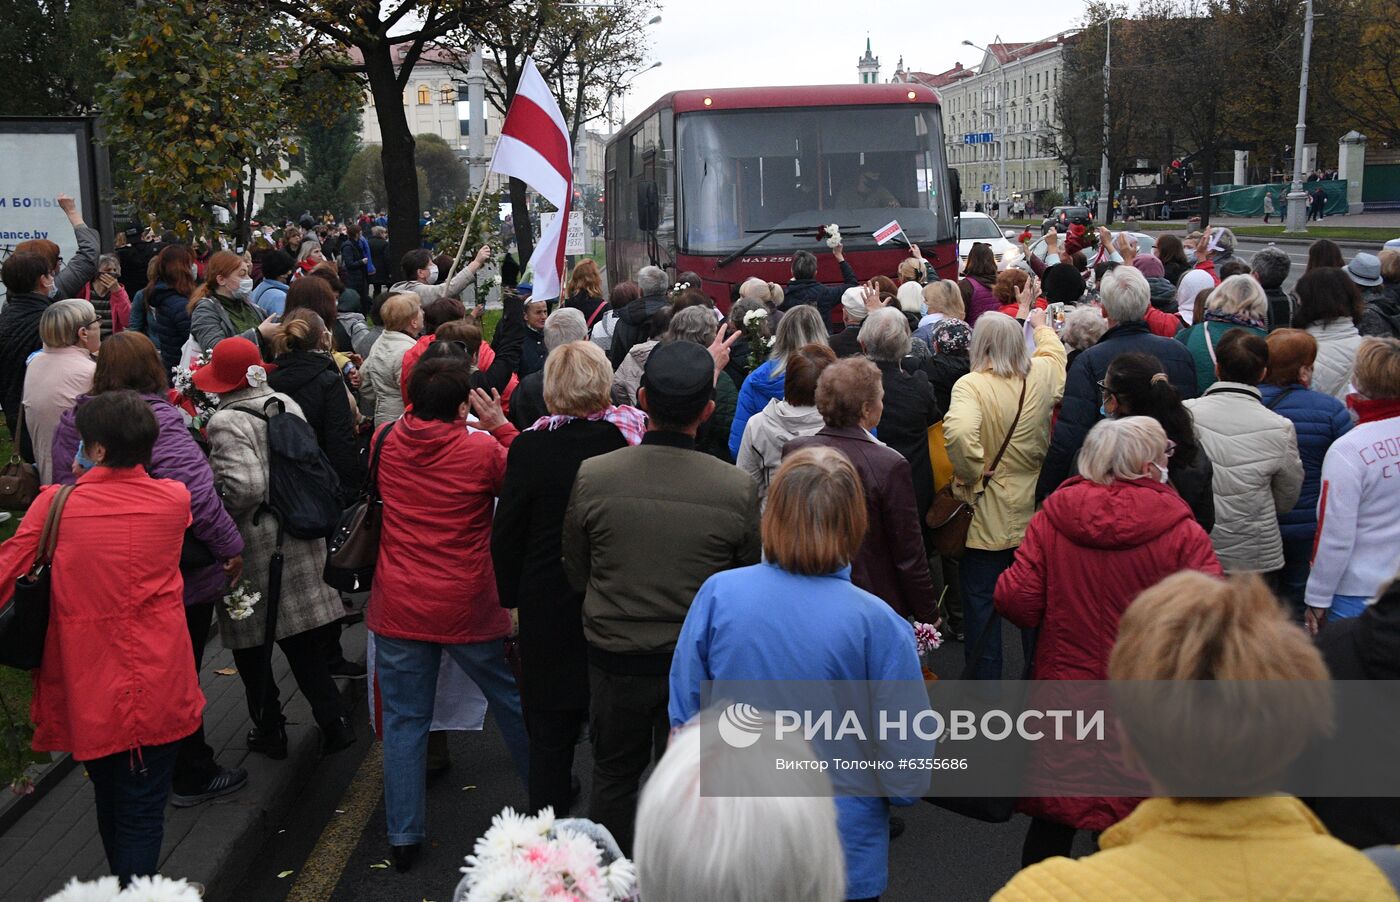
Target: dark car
[{"x": 1064, "y": 217}]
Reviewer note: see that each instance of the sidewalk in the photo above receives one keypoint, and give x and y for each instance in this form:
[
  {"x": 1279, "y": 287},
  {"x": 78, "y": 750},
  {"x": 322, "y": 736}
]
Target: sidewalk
[{"x": 211, "y": 843}]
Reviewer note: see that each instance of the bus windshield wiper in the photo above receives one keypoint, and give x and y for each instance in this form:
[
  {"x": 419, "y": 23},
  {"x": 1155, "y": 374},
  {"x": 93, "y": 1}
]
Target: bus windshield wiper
[{"x": 786, "y": 230}]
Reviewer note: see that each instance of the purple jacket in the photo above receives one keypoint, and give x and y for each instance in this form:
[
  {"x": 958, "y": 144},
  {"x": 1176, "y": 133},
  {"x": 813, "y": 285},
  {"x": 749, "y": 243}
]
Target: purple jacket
[{"x": 175, "y": 456}]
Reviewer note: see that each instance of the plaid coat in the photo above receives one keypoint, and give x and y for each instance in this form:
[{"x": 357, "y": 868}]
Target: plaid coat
[{"x": 238, "y": 453}]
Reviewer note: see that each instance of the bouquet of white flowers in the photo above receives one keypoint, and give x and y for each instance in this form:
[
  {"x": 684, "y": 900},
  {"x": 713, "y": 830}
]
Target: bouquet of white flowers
[
  {"x": 239, "y": 602},
  {"x": 833, "y": 236},
  {"x": 522, "y": 858},
  {"x": 756, "y": 330},
  {"x": 142, "y": 889}
]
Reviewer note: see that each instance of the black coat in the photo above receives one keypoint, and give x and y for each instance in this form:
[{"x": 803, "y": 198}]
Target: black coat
[
  {"x": 526, "y": 551},
  {"x": 172, "y": 322},
  {"x": 527, "y": 401},
  {"x": 1363, "y": 648},
  {"x": 846, "y": 343},
  {"x": 586, "y": 304},
  {"x": 532, "y": 353},
  {"x": 632, "y": 326},
  {"x": 356, "y": 263},
  {"x": 379, "y": 255},
  {"x": 19, "y": 337},
  {"x": 1193, "y": 482},
  {"x": 507, "y": 343},
  {"x": 1079, "y": 410},
  {"x": 942, "y": 371},
  {"x": 910, "y": 409},
  {"x": 823, "y": 297},
  {"x": 312, "y": 380}
]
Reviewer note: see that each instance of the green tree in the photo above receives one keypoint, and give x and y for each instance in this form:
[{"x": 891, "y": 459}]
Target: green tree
[
  {"x": 327, "y": 148},
  {"x": 51, "y": 54},
  {"x": 363, "y": 185},
  {"x": 448, "y": 181}
]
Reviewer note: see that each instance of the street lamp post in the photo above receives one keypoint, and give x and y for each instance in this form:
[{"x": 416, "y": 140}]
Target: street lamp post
[
  {"x": 1297, "y": 217},
  {"x": 1105, "y": 175},
  {"x": 622, "y": 95},
  {"x": 1001, "y": 124}
]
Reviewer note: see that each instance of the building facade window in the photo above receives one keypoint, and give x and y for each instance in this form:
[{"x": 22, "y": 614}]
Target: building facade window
[{"x": 425, "y": 95}]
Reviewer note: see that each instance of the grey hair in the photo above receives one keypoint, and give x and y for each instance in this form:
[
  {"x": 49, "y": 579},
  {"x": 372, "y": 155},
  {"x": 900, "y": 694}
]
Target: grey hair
[
  {"x": 911, "y": 296},
  {"x": 802, "y": 325},
  {"x": 1121, "y": 448},
  {"x": 61, "y": 320},
  {"x": 563, "y": 326},
  {"x": 1240, "y": 295},
  {"x": 884, "y": 336},
  {"x": 1225, "y": 240},
  {"x": 1124, "y": 294},
  {"x": 379, "y": 232},
  {"x": 695, "y": 324},
  {"x": 1084, "y": 326},
  {"x": 999, "y": 346},
  {"x": 109, "y": 260},
  {"x": 651, "y": 280},
  {"x": 757, "y": 843},
  {"x": 759, "y": 290},
  {"x": 1271, "y": 266},
  {"x": 804, "y": 265}
]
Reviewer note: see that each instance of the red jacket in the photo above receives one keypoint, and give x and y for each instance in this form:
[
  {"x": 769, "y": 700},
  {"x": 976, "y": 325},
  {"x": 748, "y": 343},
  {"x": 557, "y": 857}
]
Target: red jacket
[
  {"x": 434, "y": 581},
  {"x": 1088, "y": 552},
  {"x": 116, "y": 673},
  {"x": 1159, "y": 322}
]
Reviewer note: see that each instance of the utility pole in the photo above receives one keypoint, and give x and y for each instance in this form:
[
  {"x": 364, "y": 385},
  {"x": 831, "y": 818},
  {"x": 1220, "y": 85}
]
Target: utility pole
[
  {"x": 1297, "y": 218},
  {"x": 476, "y": 117},
  {"x": 1105, "y": 176}
]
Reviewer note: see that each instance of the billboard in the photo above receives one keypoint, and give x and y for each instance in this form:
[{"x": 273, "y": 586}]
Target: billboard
[{"x": 41, "y": 158}]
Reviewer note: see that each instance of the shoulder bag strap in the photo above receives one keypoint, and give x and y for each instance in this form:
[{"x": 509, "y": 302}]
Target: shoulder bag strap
[
  {"x": 17, "y": 440},
  {"x": 48, "y": 538},
  {"x": 1210, "y": 345},
  {"x": 372, "y": 480},
  {"x": 1006, "y": 442},
  {"x": 597, "y": 311},
  {"x": 1279, "y": 397}
]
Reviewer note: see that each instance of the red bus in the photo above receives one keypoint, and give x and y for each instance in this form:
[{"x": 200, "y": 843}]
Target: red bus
[{"x": 730, "y": 183}]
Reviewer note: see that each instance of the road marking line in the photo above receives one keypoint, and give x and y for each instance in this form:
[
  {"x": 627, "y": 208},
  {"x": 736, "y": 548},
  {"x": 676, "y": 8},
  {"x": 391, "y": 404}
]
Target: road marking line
[{"x": 322, "y": 871}]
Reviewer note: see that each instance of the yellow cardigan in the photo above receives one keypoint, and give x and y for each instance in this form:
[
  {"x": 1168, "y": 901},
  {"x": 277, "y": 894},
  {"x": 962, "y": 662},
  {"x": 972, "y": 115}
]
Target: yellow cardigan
[
  {"x": 979, "y": 413},
  {"x": 1264, "y": 849}
]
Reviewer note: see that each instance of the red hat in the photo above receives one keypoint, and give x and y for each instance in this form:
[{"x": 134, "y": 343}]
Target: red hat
[{"x": 227, "y": 370}]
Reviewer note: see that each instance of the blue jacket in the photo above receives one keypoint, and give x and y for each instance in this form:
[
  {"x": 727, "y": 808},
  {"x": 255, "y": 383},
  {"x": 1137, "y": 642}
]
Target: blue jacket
[
  {"x": 172, "y": 322},
  {"x": 764, "y": 623},
  {"x": 759, "y": 387},
  {"x": 1079, "y": 410},
  {"x": 820, "y": 295},
  {"x": 139, "y": 322},
  {"x": 271, "y": 296},
  {"x": 1319, "y": 421}
]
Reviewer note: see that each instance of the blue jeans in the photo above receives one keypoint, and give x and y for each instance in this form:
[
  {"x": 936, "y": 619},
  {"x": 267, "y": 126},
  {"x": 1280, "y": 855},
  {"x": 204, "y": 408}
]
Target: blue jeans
[
  {"x": 1345, "y": 607},
  {"x": 407, "y": 671},
  {"x": 979, "y": 571},
  {"x": 131, "y": 789}
]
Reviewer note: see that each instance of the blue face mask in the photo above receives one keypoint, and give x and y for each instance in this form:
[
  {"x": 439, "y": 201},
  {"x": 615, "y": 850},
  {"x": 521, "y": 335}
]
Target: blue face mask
[
  {"x": 81, "y": 458},
  {"x": 1103, "y": 411}
]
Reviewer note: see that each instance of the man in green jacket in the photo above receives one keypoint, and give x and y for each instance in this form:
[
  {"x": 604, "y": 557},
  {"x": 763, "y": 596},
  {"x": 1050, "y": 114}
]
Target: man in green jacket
[{"x": 644, "y": 528}]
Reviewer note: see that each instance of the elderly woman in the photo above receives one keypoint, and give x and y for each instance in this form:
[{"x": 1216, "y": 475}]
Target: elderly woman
[
  {"x": 561, "y": 327},
  {"x": 910, "y": 406},
  {"x": 1330, "y": 309},
  {"x": 1258, "y": 844},
  {"x": 910, "y": 301},
  {"x": 381, "y": 386},
  {"x": 890, "y": 562},
  {"x": 115, "y": 686},
  {"x": 1100, "y": 539},
  {"x": 1318, "y": 421},
  {"x": 525, "y": 551},
  {"x": 772, "y": 849},
  {"x": 628, "y": 378},
  {"x": 107, "y": 295},
  {"x": 942, "y": 300},
  {"x": 1257, "y": 473},
  {"x": 846, "y": 343},
  {"x": 1357, "y": 552},
  {"x": 1083, "y": 327},
  {"x": 802, "y": 325},
  {"x": 309, "y": 609},
  {"x": 796, "y": 616},
  {"x": 998, "y": 429},
  {"x": 1236, "y": 303},
  {"x": 623, "y": 293},
  {"x": 56, "y": 376},
  {"x": 434, "y": 589},
  {"x": 769, "y": 431},
  {"x": 1270, "y": 266}
]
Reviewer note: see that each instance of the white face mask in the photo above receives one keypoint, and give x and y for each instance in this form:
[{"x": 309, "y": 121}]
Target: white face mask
[
  {"x": 194, "y": 271},
  {"x": 245, "y": 288},
  {"x": 432, "y": 274},
  {"x": 1163, "y": 476}
]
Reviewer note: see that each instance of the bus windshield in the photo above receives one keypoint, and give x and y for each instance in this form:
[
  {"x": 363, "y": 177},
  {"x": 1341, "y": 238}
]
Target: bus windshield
[{"x": 745, "y": 172}]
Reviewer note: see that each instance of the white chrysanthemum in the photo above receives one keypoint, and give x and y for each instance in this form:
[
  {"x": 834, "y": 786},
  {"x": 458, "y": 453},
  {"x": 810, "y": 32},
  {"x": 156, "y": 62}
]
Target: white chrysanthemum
[
  {"x": 833, "y": 236},
  {"x": 158, "y": 889},
  {"x": 257, "y": 376},
  {"x": 621, "y": 876},
  {"x": 104, "y": 889}
]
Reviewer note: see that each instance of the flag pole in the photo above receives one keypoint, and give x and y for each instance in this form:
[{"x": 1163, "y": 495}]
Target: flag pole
[{"x": 480, "y": 194}]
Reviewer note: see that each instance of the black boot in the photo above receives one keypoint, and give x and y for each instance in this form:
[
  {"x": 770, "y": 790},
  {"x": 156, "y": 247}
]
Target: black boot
[
  {"x": 270, "y": 741},
  {"x": 404, "y": 856},
  {"x": 337, "y": 735}
]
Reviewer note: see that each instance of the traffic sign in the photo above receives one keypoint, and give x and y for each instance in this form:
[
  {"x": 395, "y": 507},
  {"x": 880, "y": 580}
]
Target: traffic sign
[
  {"x": 986, "y": 187},
  {"x": 977, "y": 138}
]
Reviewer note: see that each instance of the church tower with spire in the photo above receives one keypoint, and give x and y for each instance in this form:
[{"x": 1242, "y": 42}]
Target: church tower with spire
[{"x": 868, "y": 66}]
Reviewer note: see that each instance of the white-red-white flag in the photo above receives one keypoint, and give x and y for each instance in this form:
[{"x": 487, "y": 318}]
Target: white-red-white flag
[{"x": 534, "y": 147}]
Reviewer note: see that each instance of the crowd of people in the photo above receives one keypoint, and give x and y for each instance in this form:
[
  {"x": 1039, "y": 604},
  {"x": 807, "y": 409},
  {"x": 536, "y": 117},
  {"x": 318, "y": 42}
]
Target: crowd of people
[{"x": 609, "y": 500}]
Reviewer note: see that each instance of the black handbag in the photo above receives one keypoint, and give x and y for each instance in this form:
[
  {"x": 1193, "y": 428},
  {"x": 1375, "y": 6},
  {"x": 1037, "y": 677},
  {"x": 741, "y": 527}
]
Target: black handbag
[
  {"x": 24, "y": 624},
  {"x": 19, "y": 479},
  {"x": 354, "y": 546}
]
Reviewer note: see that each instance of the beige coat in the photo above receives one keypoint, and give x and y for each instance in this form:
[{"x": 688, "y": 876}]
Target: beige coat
[
  {"x": 979, "y": 413},
  {"x": 239, "y": 455},
  {"x": 381, "y": 390}
]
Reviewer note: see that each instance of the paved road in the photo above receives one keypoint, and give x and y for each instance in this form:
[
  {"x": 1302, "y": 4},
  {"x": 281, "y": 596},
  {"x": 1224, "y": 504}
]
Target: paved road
[{"x": 336, "y": 833}]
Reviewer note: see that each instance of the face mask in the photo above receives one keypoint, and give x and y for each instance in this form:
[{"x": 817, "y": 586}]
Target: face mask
[
  {"x": 1162, "y": 475},
  {"x": 1103, "y": 411},
  {"x": 923, "y": 309},
  {"x": 432, "y": 274},
  {"x": 1190, "y": 255},
  {"x": 245, "y": 288},
  {"x": 194, "y": 271}
]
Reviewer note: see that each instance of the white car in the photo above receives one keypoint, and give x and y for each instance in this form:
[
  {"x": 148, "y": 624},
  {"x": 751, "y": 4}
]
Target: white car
[
  {"x": 974, "y": 228},
  {"x": 1145, "y": 243}
]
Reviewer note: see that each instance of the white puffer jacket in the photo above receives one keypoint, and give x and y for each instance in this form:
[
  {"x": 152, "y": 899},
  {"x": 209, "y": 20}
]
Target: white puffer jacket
[
  {"x": 1257, "y": 474},
  {"x": 1337, "y": 341}
]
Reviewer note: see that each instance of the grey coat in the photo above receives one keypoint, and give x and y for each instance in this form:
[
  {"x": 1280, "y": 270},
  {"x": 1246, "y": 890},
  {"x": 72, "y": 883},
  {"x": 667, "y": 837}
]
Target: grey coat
[
  {"x": 71, "y": 278},
  {"x": 211, "y": 324},
  {"x": 239, "y": 455}
]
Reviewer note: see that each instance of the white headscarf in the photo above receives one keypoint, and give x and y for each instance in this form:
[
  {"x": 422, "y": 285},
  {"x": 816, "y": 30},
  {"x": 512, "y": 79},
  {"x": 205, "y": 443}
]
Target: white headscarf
[{"x": 1192, "y": 283}]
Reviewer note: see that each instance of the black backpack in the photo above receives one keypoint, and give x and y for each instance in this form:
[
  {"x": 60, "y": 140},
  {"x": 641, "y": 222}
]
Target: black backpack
[{"x": 303, "y": 488}]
